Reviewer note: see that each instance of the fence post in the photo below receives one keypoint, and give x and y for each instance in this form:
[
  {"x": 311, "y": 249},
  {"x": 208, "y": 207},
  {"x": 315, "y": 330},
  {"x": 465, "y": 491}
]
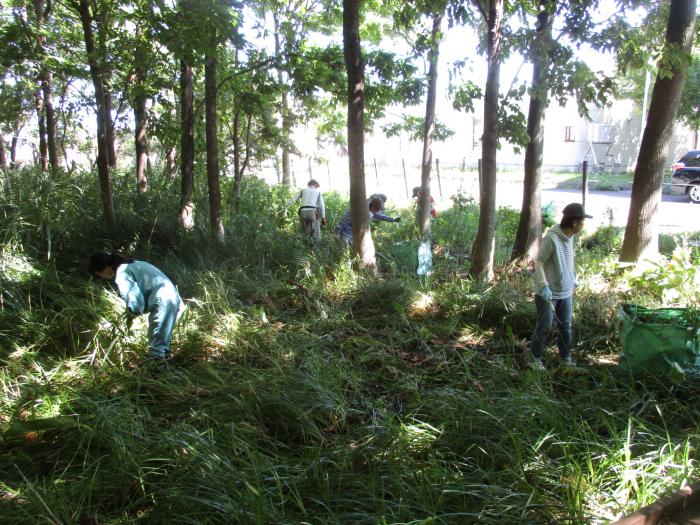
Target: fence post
[
  {"x": 437, "y": 168},
  {"x": 405, "y": 180},
  {"x": 376, "y": 173},
  {"x": 328, "y": 171},
  {"x": 584, "y": 183}
]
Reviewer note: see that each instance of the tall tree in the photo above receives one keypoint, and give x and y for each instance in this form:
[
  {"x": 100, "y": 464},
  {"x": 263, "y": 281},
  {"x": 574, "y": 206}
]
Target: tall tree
[
  {"x": 96, "y": 73},
  {"x": 556, "y": 74},
  {"x": 42, "y": 11},
  {"x": 363, "y": 246},
  {"x": 284, "y": 108},
  {"x": 483, "y": 248},
  {"x": 216, "y": 222},
  {"x": 140, "y": 120},
  {"x": 530, "y": 226},
  {"x": 641, "y": 232},
  {"x": 186, "y": 214},
  {"x": 429, "y": 127}
]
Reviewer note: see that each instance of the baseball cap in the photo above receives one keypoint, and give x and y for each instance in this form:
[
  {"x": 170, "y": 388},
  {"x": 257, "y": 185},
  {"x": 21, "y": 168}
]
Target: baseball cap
[{"x": 575, "y": 211}]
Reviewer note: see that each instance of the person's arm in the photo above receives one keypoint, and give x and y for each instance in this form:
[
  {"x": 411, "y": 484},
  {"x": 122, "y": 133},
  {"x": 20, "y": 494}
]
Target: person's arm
[
  {"x": 293, "y": 200},
  {"x": 541, "y": 285},
  {"x": 379, "y": 216},
  {"x": 130, "y": 292},
  {"x": 540, "y": 279}
]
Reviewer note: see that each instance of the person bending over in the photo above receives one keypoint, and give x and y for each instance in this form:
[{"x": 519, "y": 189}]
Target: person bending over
[
  {"x": 144, "y": 288},
  {"x": 375, "y": 207}
]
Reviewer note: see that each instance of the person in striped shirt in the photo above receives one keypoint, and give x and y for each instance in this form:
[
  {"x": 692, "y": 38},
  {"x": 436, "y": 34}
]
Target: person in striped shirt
[
  {"x": 375, "y": 207},
  {"x": 555, "y": 280}
]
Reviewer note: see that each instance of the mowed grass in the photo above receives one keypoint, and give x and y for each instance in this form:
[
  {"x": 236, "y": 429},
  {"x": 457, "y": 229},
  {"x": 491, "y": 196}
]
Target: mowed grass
[{"x": 303, "y": 393}]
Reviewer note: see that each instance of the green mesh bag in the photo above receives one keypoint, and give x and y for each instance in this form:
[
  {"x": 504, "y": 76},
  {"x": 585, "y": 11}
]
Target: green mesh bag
[
  {"x": 659, "y": 340},
  {"x": 413, "y": 256}
]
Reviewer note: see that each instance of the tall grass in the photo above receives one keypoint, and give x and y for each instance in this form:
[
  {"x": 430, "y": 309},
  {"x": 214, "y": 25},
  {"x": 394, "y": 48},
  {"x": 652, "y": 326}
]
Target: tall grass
[{"x": 303, "y": 393}]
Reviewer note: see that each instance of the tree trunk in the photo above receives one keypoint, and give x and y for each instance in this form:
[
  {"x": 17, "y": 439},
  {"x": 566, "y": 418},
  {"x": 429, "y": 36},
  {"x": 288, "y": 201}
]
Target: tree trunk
[
  {"x": 3, "y": 156},
  {"x": 286, "y": 132},
  {"x": 186, "y": 216},
  {"x": 48, "y": 148},
  {"x": 14, "y": 143},
  {"x": 97, "y": 81},
  {"x": 527, "y": 239},
  {"x": 41, "y": 122},
  {"x": 216, "y": 222},
  {"x": 236, "y": 140},
  {"x": 483, "y": 249},
  {"x": 3, "y": 166},
  {"x": 286, "y": 120},
  {"x": 429, "y": 130},
  {"x": 141, "y": 144},
  {"x": 111, "y": 137},
  {"x": 46, "y": 87},
  {"x": 170, "y": 162},
  {"x": 641, "y": 233},
  {"x": 363, "y": 246}
]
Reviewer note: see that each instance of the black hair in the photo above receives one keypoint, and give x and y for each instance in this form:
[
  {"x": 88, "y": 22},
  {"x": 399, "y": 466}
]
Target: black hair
[
  {"x": 100, "y": 260},
  {"x": 376, "y": 202},
  {"x": 568, "y": 222}
]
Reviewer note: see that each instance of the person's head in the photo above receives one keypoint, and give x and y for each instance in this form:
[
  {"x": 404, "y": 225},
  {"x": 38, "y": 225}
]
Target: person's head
[
  {"x": 313, "y": 183},
  {"x": 376, "y": 204},
  {"x": 104, "y": 265},
  {"x": 416, "y": 191},
  {"x": 573, "y": 217}
]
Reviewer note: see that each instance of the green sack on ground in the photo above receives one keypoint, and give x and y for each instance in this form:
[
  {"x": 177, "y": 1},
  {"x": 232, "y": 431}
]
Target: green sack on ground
[
  {"x": 659, "y": 340},
  {"x": 413, "y": 256}
]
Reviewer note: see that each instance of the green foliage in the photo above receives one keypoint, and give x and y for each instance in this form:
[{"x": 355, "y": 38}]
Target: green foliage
[
  {"x": 463, "y": 96},
  {"x": 606, "y": 239},
  {"x": 675, "y": 281},
  {"x": 415, "y": 127},
  {"x": 512, "y": 123}
]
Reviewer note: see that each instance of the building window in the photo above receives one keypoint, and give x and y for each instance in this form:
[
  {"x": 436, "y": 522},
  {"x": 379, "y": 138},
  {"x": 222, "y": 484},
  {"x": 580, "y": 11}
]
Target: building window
[{"x": 569, "y": 134}]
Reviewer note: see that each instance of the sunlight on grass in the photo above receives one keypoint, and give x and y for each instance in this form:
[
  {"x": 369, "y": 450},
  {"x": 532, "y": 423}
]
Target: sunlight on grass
[{"x": 422, "y": 303}]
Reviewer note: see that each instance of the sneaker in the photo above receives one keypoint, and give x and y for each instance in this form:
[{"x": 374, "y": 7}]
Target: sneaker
[
  {"x": 538, "y": 365},
  {"x": 156, "y": 365}
]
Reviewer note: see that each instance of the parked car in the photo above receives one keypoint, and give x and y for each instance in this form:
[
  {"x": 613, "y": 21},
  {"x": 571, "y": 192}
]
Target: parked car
[{"x": 686, "y": 176}]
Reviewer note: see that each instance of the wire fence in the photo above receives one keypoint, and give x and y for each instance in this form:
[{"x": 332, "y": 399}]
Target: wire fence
[{"x": 397, "y": 178}]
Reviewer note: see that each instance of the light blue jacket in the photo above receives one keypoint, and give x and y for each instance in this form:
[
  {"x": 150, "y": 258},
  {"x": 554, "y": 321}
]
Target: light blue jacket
[{"x": 142, "y": 286}]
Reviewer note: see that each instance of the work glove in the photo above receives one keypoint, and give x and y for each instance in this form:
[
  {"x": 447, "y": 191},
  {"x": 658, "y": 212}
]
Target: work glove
[
  {"x": 323, "y": 221},
  {"x": 545, "y": 293},
  {"x": 397, "y": 219}
]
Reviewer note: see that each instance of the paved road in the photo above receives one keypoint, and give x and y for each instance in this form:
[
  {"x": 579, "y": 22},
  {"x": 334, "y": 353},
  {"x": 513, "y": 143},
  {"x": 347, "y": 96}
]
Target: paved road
[{"x": 676, "y": 213}]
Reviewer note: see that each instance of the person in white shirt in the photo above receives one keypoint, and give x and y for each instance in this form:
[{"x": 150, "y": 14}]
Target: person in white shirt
[
  {"x": 555, "y": 280},
  {"x": 312, "y": 210}
]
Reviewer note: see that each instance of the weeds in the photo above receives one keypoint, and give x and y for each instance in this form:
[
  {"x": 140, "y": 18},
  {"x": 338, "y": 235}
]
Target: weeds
[{"x": 302, "y": 392}]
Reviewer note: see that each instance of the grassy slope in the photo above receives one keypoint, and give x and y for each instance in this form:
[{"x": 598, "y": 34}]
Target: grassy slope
[{"x": 302, "y": 393}]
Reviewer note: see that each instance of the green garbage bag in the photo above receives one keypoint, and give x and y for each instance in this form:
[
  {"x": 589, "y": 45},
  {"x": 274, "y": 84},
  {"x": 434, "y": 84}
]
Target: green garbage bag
[
  {"x": 413, "y": 256},
  {"x": 548, "y": 215},
  {"x": 665, "y": 340}
]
